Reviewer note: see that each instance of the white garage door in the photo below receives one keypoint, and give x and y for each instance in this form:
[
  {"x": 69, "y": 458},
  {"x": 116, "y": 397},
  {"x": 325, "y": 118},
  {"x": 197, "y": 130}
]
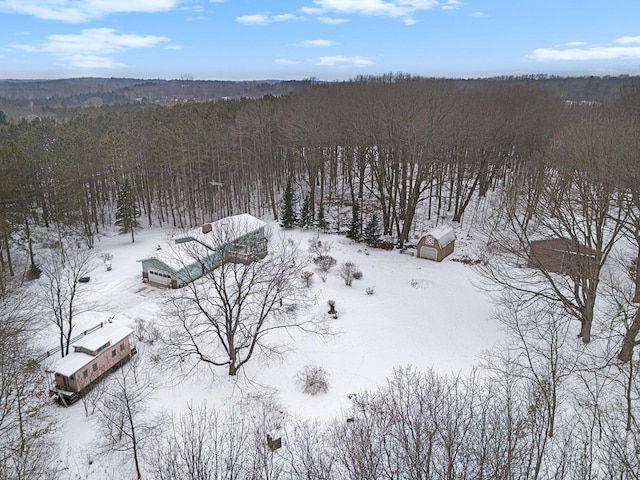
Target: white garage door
[
  {"x": 429, "y": 253},
  {"x": 159, "y": 277}
]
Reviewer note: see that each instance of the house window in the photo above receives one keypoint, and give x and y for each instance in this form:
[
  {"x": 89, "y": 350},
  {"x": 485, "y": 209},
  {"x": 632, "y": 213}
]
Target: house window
[
  {"x": 122, "y": 347},
  {"x": 113, "y": 352},
  {"x": 85, "y": 374},
  {"x": 95, "y": 367}
]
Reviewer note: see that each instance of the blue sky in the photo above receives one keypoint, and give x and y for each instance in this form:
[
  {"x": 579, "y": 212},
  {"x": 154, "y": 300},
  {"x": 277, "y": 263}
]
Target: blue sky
[{"x": 325, "y": 39}]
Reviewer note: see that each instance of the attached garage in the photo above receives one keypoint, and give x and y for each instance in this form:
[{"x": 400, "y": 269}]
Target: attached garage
[
  {"x": 159, "y": 277},
  {"x": 437, "y": 244}
]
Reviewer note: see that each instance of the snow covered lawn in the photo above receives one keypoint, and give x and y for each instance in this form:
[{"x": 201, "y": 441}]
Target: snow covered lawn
[{"x": 422, "y": 313}]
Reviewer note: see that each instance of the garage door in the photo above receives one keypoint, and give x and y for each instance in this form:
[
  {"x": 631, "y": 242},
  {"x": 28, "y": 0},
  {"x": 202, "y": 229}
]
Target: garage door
[
  {"x": 429, "y": 253},
  {"x": 160, "y": 278}
]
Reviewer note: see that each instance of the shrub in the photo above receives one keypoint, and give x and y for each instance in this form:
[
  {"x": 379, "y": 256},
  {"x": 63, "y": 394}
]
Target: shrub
[
  {"x": 347, "y": 271},
  {"x": 369, "y": 291},
  {"x": 307, "y": 278},
  {"x": 313, "y": 379},
  {"x": 324, "y": 264},
  {"x": 357, "y": 275}
]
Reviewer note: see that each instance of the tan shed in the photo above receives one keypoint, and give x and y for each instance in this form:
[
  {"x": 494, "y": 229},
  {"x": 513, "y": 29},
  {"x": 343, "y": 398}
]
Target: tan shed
[{"x": 437, "y": 244}]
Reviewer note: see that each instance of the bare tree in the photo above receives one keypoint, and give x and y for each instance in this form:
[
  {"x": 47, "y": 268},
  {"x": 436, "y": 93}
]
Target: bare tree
[
  {"x": 225, "y": 317},
  {"x": 121, "y": 410},
  {"x": 61, "y": 288},
  {"x": 26, "y": 442}
]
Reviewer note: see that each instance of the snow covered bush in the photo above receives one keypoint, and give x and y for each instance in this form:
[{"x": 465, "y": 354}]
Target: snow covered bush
[
  {"x": 307, "y": 278},
  {"x": 313, "y": 379},
  {"x": 357, "y": 275},
  {"x": 324, "y": 265},
  {"x": 347, "y": 272},
  {"x": 369, "y": 291}
]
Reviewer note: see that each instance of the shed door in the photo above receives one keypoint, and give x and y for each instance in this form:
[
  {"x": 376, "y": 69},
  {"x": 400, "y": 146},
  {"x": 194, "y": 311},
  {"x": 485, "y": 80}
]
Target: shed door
[
  {"x": 429, "y": 253},
  {"x": 159, "y": 277}
]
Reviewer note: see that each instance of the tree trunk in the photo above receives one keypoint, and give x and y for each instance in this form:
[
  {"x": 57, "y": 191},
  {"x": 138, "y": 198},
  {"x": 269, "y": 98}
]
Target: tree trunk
[{"x": 629, "y": 341}]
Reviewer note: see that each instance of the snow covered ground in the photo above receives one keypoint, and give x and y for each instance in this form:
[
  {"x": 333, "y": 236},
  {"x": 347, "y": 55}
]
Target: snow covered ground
[{"x": 426, "y": 314}]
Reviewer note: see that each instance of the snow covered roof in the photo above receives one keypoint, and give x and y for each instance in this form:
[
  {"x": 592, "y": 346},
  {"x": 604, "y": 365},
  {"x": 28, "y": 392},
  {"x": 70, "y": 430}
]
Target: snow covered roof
[
  {"x": 76, "y": 360},
  {"x": 224, "y": 231},
  {"x": 444, "y": 235},
  {"x": 195, "y": 243},
  {"x": 91, "y": 342}
]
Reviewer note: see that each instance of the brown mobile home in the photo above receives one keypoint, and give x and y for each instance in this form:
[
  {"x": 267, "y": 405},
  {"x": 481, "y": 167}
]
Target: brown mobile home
[
  {"x": 92, "y": 356},
  {"x": 437, "y": 244},
  {"x": 562, "y": 255}
]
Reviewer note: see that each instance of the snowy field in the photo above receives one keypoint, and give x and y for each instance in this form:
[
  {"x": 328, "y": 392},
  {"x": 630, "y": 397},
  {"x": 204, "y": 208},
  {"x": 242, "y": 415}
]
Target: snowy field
[{"x": 423, "y": 313}]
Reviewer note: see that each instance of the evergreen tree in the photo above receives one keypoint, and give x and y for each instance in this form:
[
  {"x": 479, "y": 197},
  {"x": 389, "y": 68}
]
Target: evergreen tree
[
  {"x": 288, "y": 217},
  {"x": 354, "y": 228},
  {"x": 322, "y": 221},
  {"x": 306, "y": 219},
  {"x": 127, "y": 212},
  {"x": 371, "y": 232}
]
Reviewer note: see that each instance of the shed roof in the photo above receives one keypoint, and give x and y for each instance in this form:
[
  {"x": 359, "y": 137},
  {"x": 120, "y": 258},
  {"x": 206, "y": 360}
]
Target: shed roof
[{"x": 444, "y": 235}]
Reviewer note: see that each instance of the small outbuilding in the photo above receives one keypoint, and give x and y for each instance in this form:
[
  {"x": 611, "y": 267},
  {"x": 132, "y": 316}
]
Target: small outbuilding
[
  {"x": 562, "y": 255},
  {"x": 437, "y": 244}
]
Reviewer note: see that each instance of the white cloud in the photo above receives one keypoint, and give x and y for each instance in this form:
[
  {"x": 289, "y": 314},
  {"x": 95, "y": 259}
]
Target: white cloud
[
  {"x": 284, "y": 61},
  {"x": 576, "y": 44},
  {"x": 78, "y": 11},
  {"x": 92, "y": 47},
  {"x": 333, "y": 21},
  {"x": 627, "y": 40},
  {"x": 257, "y": 19},
  {"x": 591, "y": 53},
  {"x": 479, "y": 15},
  {"x": 174, "y": 47},
  {"x": 340, "y": 61},
  {"x": 389, "y": 8},
  {"x": 263, "y": 19},
  {"x": 452, "y": 5},
  {"x": 316, "y": 43}
]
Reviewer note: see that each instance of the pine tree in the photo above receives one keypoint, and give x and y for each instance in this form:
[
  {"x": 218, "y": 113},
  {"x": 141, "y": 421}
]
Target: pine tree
[
  {"x": 127, "y": 212},
  {"x": 306, "y": 219},
  {"x": 371, "y": 232},
  {"x": 354, "y": 228},
  {"x": 288, "y": 217},
  {"x": 322, "y": 221}
]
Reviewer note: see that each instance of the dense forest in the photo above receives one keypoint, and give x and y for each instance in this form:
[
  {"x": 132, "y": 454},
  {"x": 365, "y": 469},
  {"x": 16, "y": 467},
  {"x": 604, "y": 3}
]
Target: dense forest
[{"x": 404, "y": 150}]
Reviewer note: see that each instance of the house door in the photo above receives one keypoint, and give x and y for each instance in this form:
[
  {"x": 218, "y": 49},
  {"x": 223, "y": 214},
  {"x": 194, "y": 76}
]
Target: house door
[{"x": 429, "y": 253}]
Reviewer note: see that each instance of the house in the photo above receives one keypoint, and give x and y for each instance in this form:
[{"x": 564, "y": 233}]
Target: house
[
  {"x": 239, "y": 238},
  {"x": 563, "y": 255},
  {"x": 93, "y": 355},
  {"x": 437, "y": 244}
]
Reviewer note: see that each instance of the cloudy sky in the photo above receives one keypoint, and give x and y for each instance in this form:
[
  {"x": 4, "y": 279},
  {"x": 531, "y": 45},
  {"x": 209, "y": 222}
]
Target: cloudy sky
[{"x": 325, "y": 39}]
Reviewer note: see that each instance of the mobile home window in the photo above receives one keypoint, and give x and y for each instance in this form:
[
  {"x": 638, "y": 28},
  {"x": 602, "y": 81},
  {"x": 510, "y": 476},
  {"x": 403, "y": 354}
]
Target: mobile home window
[
  {"x": 113, "y": 352},
  {"x": 95, "y": 367},
  {"x": 85, "y": 374},
  {"x": 122, "y": 347}
]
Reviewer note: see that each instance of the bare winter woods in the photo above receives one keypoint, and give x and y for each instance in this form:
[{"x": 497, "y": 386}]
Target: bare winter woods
[{"x": 507, "y": 164}]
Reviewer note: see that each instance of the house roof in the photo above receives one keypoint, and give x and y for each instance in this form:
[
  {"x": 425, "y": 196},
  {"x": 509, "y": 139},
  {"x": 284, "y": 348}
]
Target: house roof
[
  {"x": 444, "y": 235},
  {"x": 91, "y": 342},
  {"x": 75, "y": 361},
  {"x": 193, "y": 244},
  {"x": 562, "y": 244},
  {"x": 224, "y": 231}
]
